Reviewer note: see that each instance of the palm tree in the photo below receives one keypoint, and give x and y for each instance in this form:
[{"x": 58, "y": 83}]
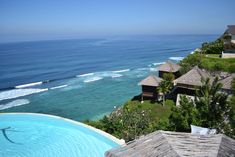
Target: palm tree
[
  {"x": 212, "y": 105},
  {"x": 164, "y": 87}
]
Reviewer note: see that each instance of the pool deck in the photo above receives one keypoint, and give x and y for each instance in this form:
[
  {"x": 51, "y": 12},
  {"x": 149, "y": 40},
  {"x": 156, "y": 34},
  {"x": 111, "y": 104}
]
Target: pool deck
[{"x": 121, "y": 142}]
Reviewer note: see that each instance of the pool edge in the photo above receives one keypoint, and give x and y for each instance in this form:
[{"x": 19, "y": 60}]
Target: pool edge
[{"x": 121, "y": 142}]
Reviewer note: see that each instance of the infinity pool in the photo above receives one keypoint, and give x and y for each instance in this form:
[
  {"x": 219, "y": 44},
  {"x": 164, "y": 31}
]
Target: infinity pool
[{"x": 38, "y": 135}]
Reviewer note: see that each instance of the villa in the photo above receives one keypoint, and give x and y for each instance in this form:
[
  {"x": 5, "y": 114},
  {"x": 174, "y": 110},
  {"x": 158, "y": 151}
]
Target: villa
[
  {"x": 229, "y": 42},
  {"x": 189, "y": 82},
  {"x": 169, "y": 67},
  {"x": 186, "y": 84},
  {"x": 149, "y": 86},
  {"x": 226, "y": 81}
]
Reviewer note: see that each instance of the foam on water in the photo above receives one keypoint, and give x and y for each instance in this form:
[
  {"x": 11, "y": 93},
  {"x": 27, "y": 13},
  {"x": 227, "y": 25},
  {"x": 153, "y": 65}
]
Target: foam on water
[
  {"x": 88, "y": 74},
  {"x": 14, "y": 103},
  {"x": 103, "y": 74},
  {"x": 57, "y": 87},
  {"x": 159, "y": 63},
  {"x": 29, "y": 85},
  {"x": 153, "y": 69},
  {"x": 92, "y": 79},
  {"x": 15, "y": 93},
  {"x": 176, "y": 58},
  {"x": 116, "y": 75},
  {"x": 121, "y": 71}
]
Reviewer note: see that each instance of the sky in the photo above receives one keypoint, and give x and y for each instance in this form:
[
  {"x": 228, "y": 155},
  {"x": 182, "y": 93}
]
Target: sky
[{"x": 54, "y": 19}]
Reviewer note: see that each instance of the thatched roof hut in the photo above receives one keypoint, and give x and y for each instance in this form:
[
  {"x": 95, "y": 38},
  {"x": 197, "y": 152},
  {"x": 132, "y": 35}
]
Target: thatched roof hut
[
  {"x": 168, "y": 67},
  {"x": 151, "y": 80},
  {"x": 149, "y": 86},
  {"x": 231, "y": 29},
  {"x": 227, "y": 81},
  {"x": 174, "y": 144},
  {"x": 192, "y": 78},
  {"x": 227, "y": 84}
]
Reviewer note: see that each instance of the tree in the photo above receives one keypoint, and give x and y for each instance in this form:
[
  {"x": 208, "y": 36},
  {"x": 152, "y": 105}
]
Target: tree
[
  {"x": 135, "y": 122},
  {"x": 164, "y": 88},
  {"x": 215, "y": 47},
  {"x": 231, "y": 132},
  {"x": 189, "y": 62},
  {"x": 210, "y": 109},
  {"x": 168, "y": 77},
  {"x": 183, "y": 116},
  {"x": 212, "y": 105}
]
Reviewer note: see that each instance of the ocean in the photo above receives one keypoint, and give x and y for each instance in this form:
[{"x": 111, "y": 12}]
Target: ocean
[{"x": 84, "y": 78}]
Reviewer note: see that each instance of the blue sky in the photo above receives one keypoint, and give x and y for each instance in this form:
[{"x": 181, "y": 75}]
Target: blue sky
[{"x": 53, "y": 19}]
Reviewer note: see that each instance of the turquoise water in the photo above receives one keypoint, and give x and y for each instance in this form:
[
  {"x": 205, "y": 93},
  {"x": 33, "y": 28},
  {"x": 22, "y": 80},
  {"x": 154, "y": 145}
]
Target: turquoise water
[
  {"x": 26, "y": 135},
  {"x": 85, "y": 78}
]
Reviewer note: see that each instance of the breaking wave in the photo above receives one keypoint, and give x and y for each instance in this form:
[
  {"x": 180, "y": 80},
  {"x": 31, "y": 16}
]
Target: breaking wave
[
  {"x": 176, "y": 58},
  {"x": 159, "y": 63},
  {"x": 121, "y": 71},
  {"x": 116, "y": 75},
  {"x": 153, "y": 69},
  {"x": 92, "y": 79},
  {"x": 15, "y": 93},
  {"x": 83, "y": 75},
  {"x": 57, "y": 87},
  {"x": 14, "y": 103},
  {"x": 29, "y": 85}
]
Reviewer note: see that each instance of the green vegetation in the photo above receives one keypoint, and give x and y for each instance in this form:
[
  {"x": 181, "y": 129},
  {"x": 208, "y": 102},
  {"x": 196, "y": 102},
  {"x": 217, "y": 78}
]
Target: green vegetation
[
  {"x": 211, "y": 109},
  {"x": 166, "y": 85},
  {"x": 135, "y": 119},
  {"x": 189, "y": 62},
  {"x": 215, "y": 47},
  {"x": 207, "y": 62},
  {"x": 218, "y": 64},
  {"x": 232, "y": 113},
  {"x": 183, "y": 116}
]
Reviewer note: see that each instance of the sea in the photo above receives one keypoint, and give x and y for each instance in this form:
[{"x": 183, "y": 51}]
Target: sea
[{"x": 84, "y": 79}]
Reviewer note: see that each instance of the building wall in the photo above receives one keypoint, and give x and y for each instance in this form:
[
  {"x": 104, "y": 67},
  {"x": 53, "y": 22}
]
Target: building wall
[
  {"x": 228, "y": 55},
  {"x": 233, "y": 37},
  {"x": 180, "y": 90},
  {"x": 149, "y": 89}
]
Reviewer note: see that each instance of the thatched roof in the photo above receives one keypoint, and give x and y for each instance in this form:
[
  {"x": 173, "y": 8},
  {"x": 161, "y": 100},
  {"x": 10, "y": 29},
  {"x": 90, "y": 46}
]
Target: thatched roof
[
  {"x": 174, "y": 144},
  {"x": 227, "y": 81},
  {"x": 231, "y": 29},
  {"x": 169, "y": 67},
  {"x": 193, "y": 77},
  {"x": 151, "y": 81}
]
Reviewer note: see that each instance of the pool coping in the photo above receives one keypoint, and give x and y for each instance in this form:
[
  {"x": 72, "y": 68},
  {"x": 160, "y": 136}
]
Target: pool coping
[{"x": 121, "y": 142}]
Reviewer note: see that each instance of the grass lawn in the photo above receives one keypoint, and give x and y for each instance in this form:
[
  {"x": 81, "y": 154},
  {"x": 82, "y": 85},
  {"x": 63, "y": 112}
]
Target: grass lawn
[
  {"x": 157, "y": 110},
  {"x": 218, "y": 64}
]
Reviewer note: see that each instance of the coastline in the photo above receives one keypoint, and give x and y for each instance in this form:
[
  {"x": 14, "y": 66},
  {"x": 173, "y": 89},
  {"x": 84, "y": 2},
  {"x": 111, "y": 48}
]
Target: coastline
[{"x": 84, "y": 94}]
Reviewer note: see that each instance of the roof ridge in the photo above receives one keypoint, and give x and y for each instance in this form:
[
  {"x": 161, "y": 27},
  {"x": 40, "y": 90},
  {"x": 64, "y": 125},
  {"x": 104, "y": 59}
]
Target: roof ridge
[
  {"x": 220, "y": 142},
  {"x": 200, "y": 71},
  {"x": 171, "y": 66},
  {"x": 163, "y": 133},
  {"x": 155, "y": 78}
]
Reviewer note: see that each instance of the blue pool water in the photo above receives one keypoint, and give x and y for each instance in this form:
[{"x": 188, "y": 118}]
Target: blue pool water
[
  {"x": 84, "y": 78},
  {"x": 28, "y": 135}
]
